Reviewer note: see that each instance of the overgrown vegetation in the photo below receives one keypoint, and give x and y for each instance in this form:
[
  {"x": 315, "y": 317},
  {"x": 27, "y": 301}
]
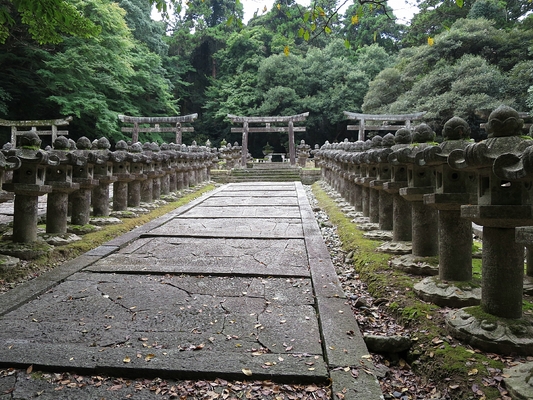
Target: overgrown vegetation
[{"x": 435, "y": 355}]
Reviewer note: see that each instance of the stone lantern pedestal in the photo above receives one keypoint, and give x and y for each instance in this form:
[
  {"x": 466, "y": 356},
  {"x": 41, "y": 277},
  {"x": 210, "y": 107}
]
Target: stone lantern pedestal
[{"x": 137, "y": 162}]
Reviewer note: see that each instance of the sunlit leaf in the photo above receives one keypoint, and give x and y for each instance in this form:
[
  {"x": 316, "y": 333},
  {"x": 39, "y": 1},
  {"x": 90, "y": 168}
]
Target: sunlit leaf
[
  {"x": 431, "y": 42},
  {"x": 247, "y": 372},
  {"x": 306, "y": 36},
  {"x": 347, "y": 43},
  {"x": 126, "y": 359},
  {"x": 301, "y": 32},
  {"x": 278, "y": 6},
  {"x": 307, "y": 14},
  {"x": 286, "y": 50},
  {"x": 327, "y": 29},
  {"x": 459, "y": 3},
  {"x": 355, "y": 19},
  {"x": 229, "y": 21}
]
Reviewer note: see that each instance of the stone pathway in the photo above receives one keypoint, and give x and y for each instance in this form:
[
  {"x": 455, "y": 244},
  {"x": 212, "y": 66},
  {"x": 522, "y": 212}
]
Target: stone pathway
[{"x": 237, "y": 284}]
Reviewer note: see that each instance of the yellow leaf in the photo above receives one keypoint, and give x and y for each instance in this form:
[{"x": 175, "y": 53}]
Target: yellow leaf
[
  {"x": 127, "y": 359},
  {"x": 149, "y": 357},
  {"x": 286, "y": 50},
  {"x": 265, "y": 9},
  {"x": 473, "y": 371},
  {"x": 431, "y": 42},
  {"x": 247, "y": 372},
  {"x": 355, "y": 19},
  {"x": 278, "y": 6}
]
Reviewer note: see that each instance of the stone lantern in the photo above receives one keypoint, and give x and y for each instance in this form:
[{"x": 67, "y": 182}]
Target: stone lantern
[
  {"x": 502, "y": 205},
  {"x": 103, "y": 171},
  {"x": 303, "y": 153},
  {"x": 401, "y": 209},
  {"x": 121, "y": 171},
  {"x": 137, "y": 162},
  {"x": 383, "y": 174},
  {"x": 452, "y": 189},
  {"x": 28, "y": 183}
]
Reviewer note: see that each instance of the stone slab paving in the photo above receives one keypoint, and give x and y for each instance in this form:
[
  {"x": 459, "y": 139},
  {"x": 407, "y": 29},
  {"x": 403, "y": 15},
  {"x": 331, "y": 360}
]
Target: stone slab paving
[
  {"x": 152, "y": 302},
  {"x": 288, "y": 228}
]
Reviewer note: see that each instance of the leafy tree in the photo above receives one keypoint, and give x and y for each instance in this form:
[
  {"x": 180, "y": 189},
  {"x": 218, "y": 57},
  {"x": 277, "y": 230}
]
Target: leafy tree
[
  {"x": 144, "y": 29},
  {"x": 368, "y": 24},
  {"x": 489, "y": 9},
  {"x": 95, "y": 79},
  {"x": 46, "y": 20}
]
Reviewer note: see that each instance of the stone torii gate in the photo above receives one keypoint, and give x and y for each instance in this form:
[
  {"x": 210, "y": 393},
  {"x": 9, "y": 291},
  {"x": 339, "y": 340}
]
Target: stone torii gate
[
  {"x": 177, "y": 128},
  {"x": 33, "y": 124},
  {"x": 362, "y": 127},
  {"x": 290, "y": 128}
]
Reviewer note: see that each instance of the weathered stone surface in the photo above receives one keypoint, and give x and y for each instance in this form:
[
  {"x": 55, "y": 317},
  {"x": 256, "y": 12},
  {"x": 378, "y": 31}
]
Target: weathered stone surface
[
  {"x": 190, "y": 297},
  {"x": 387, "y": 344},
  {"x": 415, "y": 265},
  {"x": 514, "y": 336},
  {"x": 519, "y": 381},
  {"x": 231, "y": 227},
  {"x": 395, "y": 248},
  {"x": 195, "y": 255},
  {"x": 447, "y": 294},
  {"x": 378, "y": 235},
  {"x": 247, "y": 212},
  {"x": 56, "y": 239}
]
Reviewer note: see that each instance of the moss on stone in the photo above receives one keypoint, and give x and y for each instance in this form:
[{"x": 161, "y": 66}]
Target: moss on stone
[{"x": 438, "y": 360}]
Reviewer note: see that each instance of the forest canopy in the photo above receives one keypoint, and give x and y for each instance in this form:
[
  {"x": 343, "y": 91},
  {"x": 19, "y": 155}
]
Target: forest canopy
[{"x": 95, "y": 59}]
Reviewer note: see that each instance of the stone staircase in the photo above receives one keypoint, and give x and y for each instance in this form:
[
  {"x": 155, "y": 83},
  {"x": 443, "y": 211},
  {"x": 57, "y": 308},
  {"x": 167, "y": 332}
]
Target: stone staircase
[{"x": 265, "y": 172}]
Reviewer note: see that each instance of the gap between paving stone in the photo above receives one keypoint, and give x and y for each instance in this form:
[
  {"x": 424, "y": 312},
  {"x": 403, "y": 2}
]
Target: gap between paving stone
[{"x": 329, "y": 347}]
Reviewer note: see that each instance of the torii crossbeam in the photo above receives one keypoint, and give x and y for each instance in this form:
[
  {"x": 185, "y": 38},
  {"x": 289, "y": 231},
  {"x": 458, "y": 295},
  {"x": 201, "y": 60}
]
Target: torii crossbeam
[
  {"x": 406, "y": 118},
  {"x": 176, "y": 120},
  {"x": 290, "y": 128}
]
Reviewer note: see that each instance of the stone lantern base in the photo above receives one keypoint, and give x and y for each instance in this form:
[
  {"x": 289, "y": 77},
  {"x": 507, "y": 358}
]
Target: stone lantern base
[
  {"x": 447, "y": 293},
  {"x": 492, "y": 334},
  {"x": 411, "y": 264}
]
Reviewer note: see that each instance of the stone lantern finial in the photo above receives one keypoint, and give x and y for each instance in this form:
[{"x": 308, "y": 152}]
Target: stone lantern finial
[{"x": 504, "y": 121}]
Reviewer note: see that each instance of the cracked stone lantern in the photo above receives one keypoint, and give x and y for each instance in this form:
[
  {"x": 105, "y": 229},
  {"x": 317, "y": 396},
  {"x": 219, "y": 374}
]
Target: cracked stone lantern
[
  {"x": 28, "y": 183},
  {"x": 121, "y": 171},
  {"x": 401, "y": 209},
  {"x": 452, "y": 189},
  {"x": 137, "y": 161},
  {"x": 83, "y": 175},
  {"x": 383, "y": 174},
  {"x": 502, "y": 205},
  {"x": 103, "y": 171},
  {"x": 59, "y": 177}
]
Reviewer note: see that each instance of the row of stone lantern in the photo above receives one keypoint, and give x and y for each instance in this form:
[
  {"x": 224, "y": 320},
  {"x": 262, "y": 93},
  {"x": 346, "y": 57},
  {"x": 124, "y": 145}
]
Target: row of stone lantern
[
  {"x": 429, "y": 194},
  {"x": 81, "y": 172}
]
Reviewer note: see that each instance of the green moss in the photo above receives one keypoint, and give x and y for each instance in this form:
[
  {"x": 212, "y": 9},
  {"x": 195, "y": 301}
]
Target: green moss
[{"x": 476, "y": 268}]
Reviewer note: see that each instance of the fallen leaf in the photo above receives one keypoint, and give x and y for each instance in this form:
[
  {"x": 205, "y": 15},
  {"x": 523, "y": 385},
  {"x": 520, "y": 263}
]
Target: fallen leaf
[
  {"x": 149, "y": 357},
  {"x": 126, "y": 359},
  {"x": 247, "y": 372},
  {"x": 30, "y": 369}
]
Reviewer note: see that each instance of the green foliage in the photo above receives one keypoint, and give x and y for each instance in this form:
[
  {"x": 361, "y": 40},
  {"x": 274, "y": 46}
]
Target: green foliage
[
  {"x": 46, "y": 20},
  {"x": 457, "y": 76}
]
